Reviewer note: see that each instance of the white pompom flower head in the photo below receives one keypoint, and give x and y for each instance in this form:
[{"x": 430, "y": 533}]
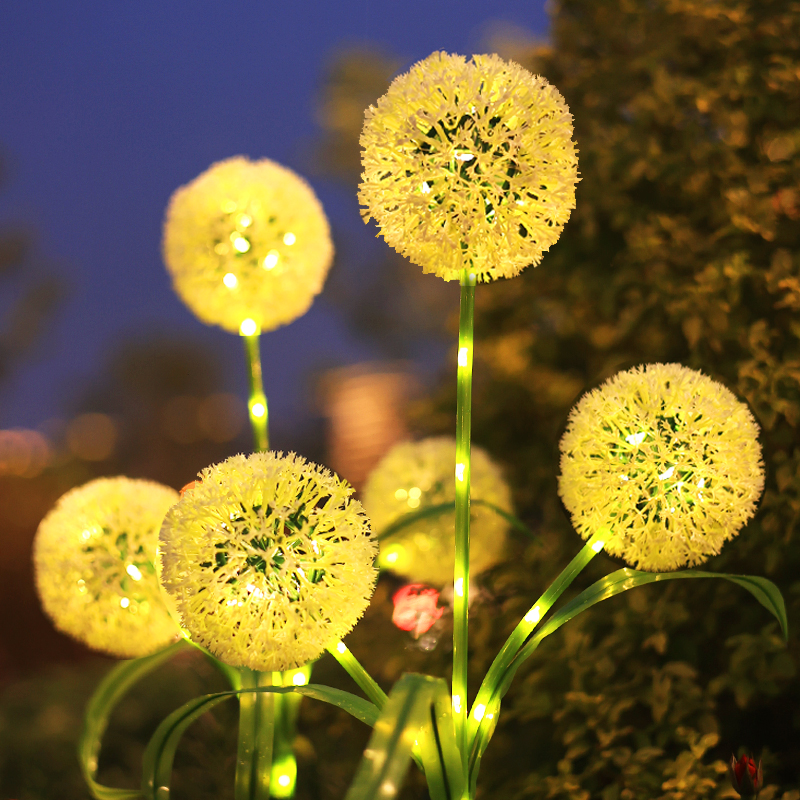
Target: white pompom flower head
[
  {"x": 414, "y": 476},
  {"x": 94, "y": 559},
  {"x": 666, "y": 460},
  {"x": 469, "y": 164},
  {"x": 247, "y": 240},
  {"x": 268, "y": 560}
]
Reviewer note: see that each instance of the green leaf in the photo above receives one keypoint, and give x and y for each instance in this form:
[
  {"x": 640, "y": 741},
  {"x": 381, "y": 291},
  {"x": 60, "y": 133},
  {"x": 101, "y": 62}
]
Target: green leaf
[
  {"x": 356, "y": 671},
  {"x": 160, "y": 752},
  {"x": 108, "y": 693},
  {"x": 524, "y": 628},
  {"x": 515, "y": 522},
  {"x": 418, "y": 711},
  {"x": 407, "y": 520},
  {"x": 440, "y": 509},
  {"x": 765, "y": 591},
  {"x": 441, "y": 758}
]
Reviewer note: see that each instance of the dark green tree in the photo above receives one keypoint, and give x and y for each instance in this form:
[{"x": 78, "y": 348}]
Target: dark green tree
[
  {"x": 685, "y": 246},
  {"x": 36, "y": 292}
]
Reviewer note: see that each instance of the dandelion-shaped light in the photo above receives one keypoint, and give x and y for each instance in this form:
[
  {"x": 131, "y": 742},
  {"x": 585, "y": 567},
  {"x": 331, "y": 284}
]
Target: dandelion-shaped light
[
  {"x": 268, "y": 560},
  {"x": 469, "y": 165},
  {"x": 94, "y": 559},
  {"x": 247, "y": 240},
  {"x": 664, "y": 458},
  {"x": 413, "y": 476}
]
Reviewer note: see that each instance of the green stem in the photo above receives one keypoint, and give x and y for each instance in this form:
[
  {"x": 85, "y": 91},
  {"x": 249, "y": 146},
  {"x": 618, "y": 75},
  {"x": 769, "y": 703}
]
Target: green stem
[
  {"x": 256, "y": 734},
  {"x": 257, "y": 402},
  {"x": 243, "y": 784},
  {"x": 357, "y": 672},
  {"x": 256, "y": 711},
  {"x": 265, "y": 735},
  {"x": 462, "y": 478},
  {"x": 284, "y": 765}
]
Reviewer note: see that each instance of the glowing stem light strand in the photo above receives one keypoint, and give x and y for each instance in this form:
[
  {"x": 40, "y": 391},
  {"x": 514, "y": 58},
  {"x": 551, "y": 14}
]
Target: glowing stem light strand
[
  {"x": 256, "y": 731},
  {"x": 257, "y": 403},
  {"x": 265, "y": 737},
  {"x": 257, "y": 712},
  {"x": 283, "y": 779},
  {"x": 244, "y": 784},
  {"x": 462, "y": 476}
]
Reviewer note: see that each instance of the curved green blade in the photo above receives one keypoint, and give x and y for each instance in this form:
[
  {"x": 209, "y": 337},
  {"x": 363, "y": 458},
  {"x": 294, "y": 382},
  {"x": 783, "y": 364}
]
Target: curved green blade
[
  {"x": 352, "y": 666},
  {"x": 105, "y": 698},
  {"x": 765, "y": 591},
  {"x": 515, "y": 522},
  {"x": 441, "y": 758},
  {"x": 407, "y": 520},
  {"x": 525, "y": 627},
  {"x": 418, "y": 714},
  {"x": 160, "y": 752},
  {"x": 438, "y": 510}
]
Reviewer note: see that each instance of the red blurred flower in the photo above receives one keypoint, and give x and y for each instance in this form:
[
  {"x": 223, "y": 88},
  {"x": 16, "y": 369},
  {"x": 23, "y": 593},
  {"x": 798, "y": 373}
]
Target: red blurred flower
[
  {"x": 746, "y": 777},
  {"x": 415, "y": 608}
]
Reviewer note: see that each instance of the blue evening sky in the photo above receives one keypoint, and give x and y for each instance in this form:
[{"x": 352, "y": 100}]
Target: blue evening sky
[{"x": 106, "y": 107}]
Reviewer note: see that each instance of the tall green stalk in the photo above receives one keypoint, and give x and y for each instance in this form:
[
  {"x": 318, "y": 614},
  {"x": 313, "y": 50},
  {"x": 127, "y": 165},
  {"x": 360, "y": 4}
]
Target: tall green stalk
[
  {"x": 283, "y": 780},
  {"x": 256, "y": 732},
  {"x": 257, "y": 402},
  {"x": 462, "y": 479},
  {"x": 257, "y": 712},
  {"x": 265, "y": 737},
  {"x": 245, "y": 755}
]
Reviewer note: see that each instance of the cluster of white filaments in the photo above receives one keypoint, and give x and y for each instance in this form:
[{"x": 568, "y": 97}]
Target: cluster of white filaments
[
  {"x": 267, "y": 560},
  {"x": 415, "y": 476},
  {"x": 665, "y": 459},
  {"x": 94, "y": 557},
  {"x": 469, "y": 165},
  {"x": 247, "y": 240}
]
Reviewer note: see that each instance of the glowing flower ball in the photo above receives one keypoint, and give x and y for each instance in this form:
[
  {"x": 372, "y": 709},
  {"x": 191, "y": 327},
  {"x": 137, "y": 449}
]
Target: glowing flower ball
[
  {"x": 469, "y": 165},
  {"x": 94, "y": 557},
  {"x": 247, "y": 240},
  {"x": 415, "y": 475},
  {"x": 664, "y": 458},
  {"x": 267, "y": 560}
]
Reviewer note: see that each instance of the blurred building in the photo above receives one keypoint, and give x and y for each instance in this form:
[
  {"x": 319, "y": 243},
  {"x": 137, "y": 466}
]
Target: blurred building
[{"x": 365, "y": 407}]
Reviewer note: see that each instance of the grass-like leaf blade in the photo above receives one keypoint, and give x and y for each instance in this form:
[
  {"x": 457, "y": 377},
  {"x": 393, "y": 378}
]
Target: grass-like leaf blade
[
  {"x": 441, "y": 758},
  {"x": 160, "y": 752},
  {"x": 108, "y": 693},
  {"x": 417, "y": 714},
  {"x": 439, "y": 509},
  {"x": 764, "y": 590}
]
